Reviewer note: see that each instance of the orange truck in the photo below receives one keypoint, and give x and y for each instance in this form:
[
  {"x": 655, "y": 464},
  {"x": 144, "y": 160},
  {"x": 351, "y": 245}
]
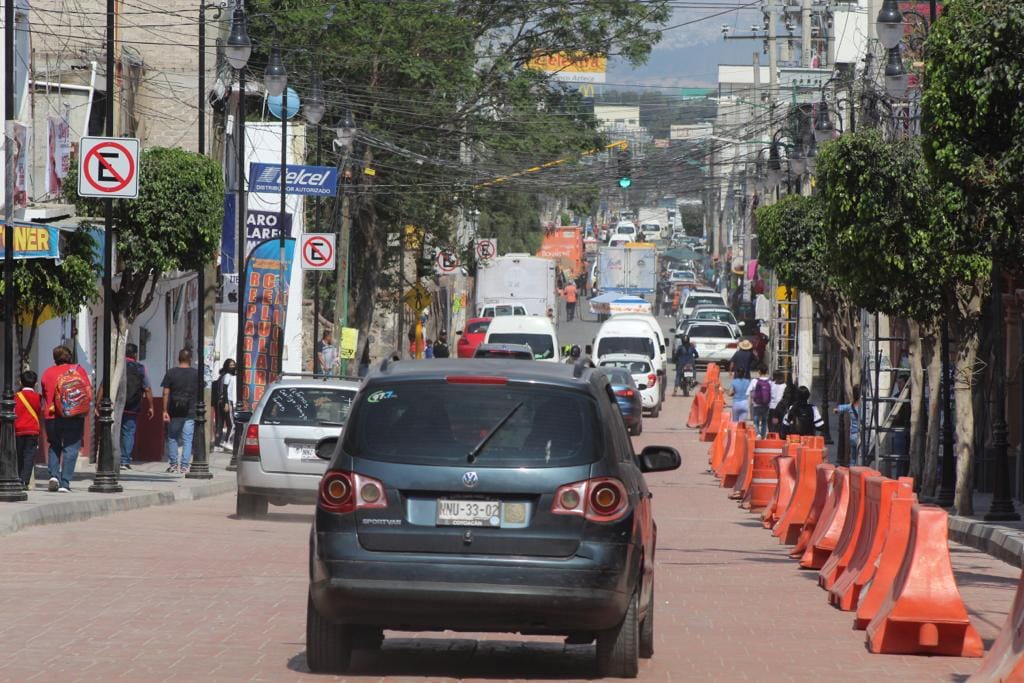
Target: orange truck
[{"x": 565, "y": 245}]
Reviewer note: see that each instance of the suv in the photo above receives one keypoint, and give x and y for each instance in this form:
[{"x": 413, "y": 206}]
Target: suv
[
  {"x": 278, "y": 463},
  {"x": 506, "y": 351},
  {"x": 484, "y": 495}
]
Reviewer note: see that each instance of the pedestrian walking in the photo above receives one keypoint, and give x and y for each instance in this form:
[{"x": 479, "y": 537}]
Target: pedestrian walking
[
  {"x": 739, "y": 388},
  {"x": 779, "y": 405},
  {"x": 27, "y": 407},
  {"x": 67, "y": 396},
  {"x": 570, "y": 295},
  {"x": 327, "y": 354},
  {"x": 741, "y": 361},
  {"x": 803, "y": 418},
  {"x": 760, "y": 399},
  {"x": 222, "y": 395},
  {"x": 853, "y": 410},
  {"x": 181, "y": 389},
  {"x": 138, "y": 388},
  {"x": 685, "y": 358},
  {"x": 428, "y": 350},
  {"x": 441, "y": 349}
]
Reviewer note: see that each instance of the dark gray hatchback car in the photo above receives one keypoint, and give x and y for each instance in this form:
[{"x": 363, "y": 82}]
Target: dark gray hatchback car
[{"x": 484, "y": 495}]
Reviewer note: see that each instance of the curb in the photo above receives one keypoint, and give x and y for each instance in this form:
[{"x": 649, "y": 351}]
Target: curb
[
  {"x": 999, "y": 541},
  {"x": 80, "y": 510}
]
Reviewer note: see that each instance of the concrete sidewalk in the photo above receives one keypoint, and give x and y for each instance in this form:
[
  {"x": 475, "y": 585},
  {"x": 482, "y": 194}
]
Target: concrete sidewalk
[{"x": 144, "y": 485}]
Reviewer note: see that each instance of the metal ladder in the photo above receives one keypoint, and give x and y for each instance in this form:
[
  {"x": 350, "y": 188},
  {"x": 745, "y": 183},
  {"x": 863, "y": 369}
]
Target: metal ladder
[
  {"x": 879, "y": 412},
  {"x": 784, "y": 325}
]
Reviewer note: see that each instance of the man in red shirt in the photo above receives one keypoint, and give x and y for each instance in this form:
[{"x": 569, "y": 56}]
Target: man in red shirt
[
  {"x": 26, "y": 425},
  {"x": 64, "y": 434}
]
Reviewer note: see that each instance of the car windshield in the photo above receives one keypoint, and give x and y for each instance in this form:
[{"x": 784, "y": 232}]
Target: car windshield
[
  {"x": 643, "y": 346},
  {"x": 633, "y": 366},
  {"x": 307, "y": 406},
  {"x": 542, "y": 344},
  {"x": 478, "y": 327},
  {"x": 701, "y": 300},
  {"x": 436, "y": 423},
  {"x": 617, "y": 376},
  {"x": 706, "y": 331}
]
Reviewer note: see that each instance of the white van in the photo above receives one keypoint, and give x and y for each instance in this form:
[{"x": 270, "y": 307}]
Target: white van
[
  {"x": 535, "y": 330},
  {"x": 662, "y": 346},
  {"x": 631, "y": 333},
  {"x": 651, "y": 230},
  {"x": 500, "y": 309}
]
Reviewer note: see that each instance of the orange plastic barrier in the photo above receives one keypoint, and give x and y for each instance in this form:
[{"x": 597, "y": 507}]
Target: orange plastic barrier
[
  {"x": 711, "y": 375},
  {"x": 840, "y": 557},
  {"x": 792, "y": 520},
  {"x": 764, "y": 474},
  {"x": 924, "y": 613},
  {"x": 889, "y": 561},
  {"x": 732, "y": 464},
  {"x": 698, "y": 410},
  {"x": 715, "y": 414},
  {"x": 878, "y": 495},
  {"x": 822, "y": 482},
  {"x": 783, "y": 492},
  {"x": 739, "y": 489},
  {"x": 830, "y": 525},
  {"x": 1005, "y": 661},
  {"x": 720, "y": 446},
  {"x": 813, "y": 441}
]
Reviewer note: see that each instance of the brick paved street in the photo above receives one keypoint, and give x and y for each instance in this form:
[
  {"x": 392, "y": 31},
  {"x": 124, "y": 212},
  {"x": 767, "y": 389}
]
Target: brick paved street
[{"x": 187, "y": 593}]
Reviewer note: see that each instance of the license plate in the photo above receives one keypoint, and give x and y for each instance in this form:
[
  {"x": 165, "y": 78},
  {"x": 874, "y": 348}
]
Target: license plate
[
  {"x": 468, "y": 512},
  {"x": 302, "y": 453}
]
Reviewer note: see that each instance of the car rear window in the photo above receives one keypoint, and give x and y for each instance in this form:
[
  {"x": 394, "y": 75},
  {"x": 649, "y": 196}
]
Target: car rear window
[
  {"x": 632, "y": 366},
  {"x": 617, "y": 375},
  {"x": 706, "y": 331},
  {"x": 542, "y": 344},
  {"x": 307, "y": 406},
  {"x": 478, "y": 327},
  {"x": 641, "y": 345},
  {"x": 702, "y": 300},
  {"x": 436, "y": 423},
  {"x": 725, "y": 316}
]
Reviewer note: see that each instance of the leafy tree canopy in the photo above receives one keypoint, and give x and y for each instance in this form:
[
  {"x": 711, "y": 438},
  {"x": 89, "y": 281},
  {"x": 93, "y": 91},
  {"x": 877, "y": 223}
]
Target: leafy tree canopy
[{"x": 790, "y": 236}]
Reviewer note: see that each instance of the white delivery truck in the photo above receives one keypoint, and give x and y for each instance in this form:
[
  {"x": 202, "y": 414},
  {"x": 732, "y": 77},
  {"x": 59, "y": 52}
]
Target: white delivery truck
[
  {"x": 519, "y": 279},
  {"x": 629, "y": 269}
]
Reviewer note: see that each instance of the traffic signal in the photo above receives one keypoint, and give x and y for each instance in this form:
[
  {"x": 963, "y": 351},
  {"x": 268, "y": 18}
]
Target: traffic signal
[{"x": 625, "y": 168}]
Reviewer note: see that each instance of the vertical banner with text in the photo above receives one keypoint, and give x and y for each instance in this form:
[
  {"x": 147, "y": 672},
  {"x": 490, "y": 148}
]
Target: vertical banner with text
[{"x": 267, "y": 272}]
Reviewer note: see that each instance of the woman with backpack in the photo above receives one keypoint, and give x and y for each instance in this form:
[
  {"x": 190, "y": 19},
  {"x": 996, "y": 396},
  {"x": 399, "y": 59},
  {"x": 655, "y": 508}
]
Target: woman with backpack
[
  {"x": 760, "y": 399},
  {"x": 802, "y": 417},
  {"x": 67, "y": 396}
]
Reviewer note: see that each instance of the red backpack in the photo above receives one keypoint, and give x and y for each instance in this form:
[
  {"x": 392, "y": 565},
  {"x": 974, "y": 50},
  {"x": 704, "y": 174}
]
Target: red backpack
[{"x": 72, "y": 395}]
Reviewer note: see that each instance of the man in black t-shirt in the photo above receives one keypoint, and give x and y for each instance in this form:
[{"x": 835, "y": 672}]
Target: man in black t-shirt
[
  {"x": 441, "y": 346},
  {"x": 181, "y": 388}
]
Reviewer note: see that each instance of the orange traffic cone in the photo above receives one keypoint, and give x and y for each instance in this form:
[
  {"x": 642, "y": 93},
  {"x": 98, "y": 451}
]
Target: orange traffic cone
[
  {"x": 890, "y": 559},
  {"x": 764, "y": 475},
  {"x": 1005, "y": 661},
  {"x": 792, "y": 520},
  {"x": 878, "y": 495},
  {"x": 840, "y": 557},
  {"x": 783, "y": 492},
  {"x": 924, "y": 613},
  {"x": 830, "y": 526},
  {"x": 822, "y": 483}
]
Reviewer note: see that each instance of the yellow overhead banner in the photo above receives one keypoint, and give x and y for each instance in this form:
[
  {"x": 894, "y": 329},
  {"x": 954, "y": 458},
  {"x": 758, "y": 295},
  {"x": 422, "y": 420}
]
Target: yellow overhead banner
[{"x": 571, "y": 67}]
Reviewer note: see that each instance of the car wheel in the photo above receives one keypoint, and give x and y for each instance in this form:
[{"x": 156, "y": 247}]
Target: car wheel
[
  {"x": 647, "y": 629},
  {"x": 367, "y": 638},
  {"x": 248, "y": 506},
  {"x": 656, "y": 410},
  {"x": 618, "y": 648},
  {"x": 639, "y": 428},
  {"x": 328, "y": 645}
]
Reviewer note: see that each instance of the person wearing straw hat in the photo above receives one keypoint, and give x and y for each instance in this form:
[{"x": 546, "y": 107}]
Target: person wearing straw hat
[{"x": 741, "y": 361}]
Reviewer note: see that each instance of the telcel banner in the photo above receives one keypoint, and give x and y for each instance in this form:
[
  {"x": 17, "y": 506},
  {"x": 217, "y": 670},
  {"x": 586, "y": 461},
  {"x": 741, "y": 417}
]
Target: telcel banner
[
  {"x": 305, "y": 180},
  {"x": 266, "y": 278}
]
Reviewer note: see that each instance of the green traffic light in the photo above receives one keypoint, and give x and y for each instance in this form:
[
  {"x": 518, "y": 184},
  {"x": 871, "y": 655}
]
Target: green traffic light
[{"x": 625, "y": 182}]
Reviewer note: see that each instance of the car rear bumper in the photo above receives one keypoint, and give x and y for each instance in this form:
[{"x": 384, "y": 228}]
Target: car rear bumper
[{"x": 278, "y": 487}]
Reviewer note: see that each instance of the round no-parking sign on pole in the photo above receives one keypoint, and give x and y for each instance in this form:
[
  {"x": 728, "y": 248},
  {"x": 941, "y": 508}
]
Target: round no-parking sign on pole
[
  {"x": 317, "y": 251},
  {"x": 108, "y": 167}
]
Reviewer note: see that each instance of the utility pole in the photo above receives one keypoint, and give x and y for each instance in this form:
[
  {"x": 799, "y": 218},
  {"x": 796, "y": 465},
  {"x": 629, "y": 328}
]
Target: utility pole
[
  {"x": 806, "y": 51},
  {"x": 773, "y": 53}
]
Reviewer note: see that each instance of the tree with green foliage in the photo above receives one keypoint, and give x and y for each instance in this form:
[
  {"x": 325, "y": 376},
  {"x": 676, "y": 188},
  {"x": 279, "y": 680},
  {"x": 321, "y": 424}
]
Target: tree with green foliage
[
  {"x": 973, "y": 141},
  {"x": 62, "y": 287},
  {"x": 173, "y": 225}
]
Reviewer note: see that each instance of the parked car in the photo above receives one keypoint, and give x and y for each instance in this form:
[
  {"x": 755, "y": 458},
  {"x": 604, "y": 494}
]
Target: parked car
[
  {"x": 472, "y": 336},
  {"x": 644, "y": 377},
  {"x": 717, "y": 313},
  {"x": 484, "y": 495},
  {"x": 506, "y": 351},
  {"x": 278, "y": 462},
  {"x": 715, "y": 342},
  {"x": 625, "y": 333},
  {"x": 700, "y": 298},
  {"x": 535, "y": 330},
  {"x": 627, "y": 396}
]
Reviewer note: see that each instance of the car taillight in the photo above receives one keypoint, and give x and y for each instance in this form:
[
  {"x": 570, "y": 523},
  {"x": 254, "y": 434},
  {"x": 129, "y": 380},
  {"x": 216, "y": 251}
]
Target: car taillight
[
  {"x": 652, "y": 379},
  {"x": 597, "y": 500},
  {"x": 342, "y": 491},
  {"x": 463, "y": 341},
  {"x": 251, "y": 447},
  {"x": 626, "y": 393},
  {"x": 731, "y": 346},
  {"x": 475, "y": 379}
]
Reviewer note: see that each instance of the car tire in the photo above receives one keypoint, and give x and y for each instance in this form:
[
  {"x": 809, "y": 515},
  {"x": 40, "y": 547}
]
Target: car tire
[
  {"x": 639, "y": 427},
  {"x": 328, "y": 645},
  {"x": 656, "y": 410},
  {"x": 647, "y": 629},
  {"x": 618, "y": 648},
  {"x": 248, "y": 506}
]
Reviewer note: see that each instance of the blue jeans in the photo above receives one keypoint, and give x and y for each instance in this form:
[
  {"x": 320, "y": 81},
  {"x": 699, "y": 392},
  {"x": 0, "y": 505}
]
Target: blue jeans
[
  {"x": 760, "y": 414},
  {"x": 179, "y": 433},
  {"x": 128, "y": 427},
  {"x": 64, "y": 436}
]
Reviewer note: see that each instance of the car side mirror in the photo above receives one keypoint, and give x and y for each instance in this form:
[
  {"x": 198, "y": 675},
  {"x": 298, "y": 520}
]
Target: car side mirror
[
  {"x": 660, "y": 459},
  {"x": 325, "y": 447},
  {"x": 242, "y": 416},
  {"x": 641, "y": 387},
  {"x": 458, "y": 333}
]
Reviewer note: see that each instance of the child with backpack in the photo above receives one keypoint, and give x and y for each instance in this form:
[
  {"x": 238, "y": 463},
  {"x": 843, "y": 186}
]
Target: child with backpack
[
  {"x": 802, "y": 417},
  {"x": 27, "y": 407},
  {"x": 760, "y": 401},
  {"x": 67, "y": 397}
]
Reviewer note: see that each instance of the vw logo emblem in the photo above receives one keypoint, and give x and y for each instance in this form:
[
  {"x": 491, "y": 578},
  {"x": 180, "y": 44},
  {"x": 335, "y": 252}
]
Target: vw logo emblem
[{"x": 470, "y": 480}]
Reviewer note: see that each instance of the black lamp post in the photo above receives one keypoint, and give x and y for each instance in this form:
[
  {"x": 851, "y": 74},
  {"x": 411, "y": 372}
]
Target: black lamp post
[
  {"x": 200, "y": 468},
  {"x": 275, "y": 81},
  {"x": 314, "y": 109},
  {"x": 1002, "y": 509},
  {"x": 237, "y": 50},
  {"x": 10, "y": 483},
  {"x": 105, "y": 480}
]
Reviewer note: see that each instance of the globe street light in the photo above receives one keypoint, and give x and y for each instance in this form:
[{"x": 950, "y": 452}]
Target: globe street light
[
  {"x": 823, "y": 128},
  {"x": 275, "y": 77},
  {"x": 238, "y": 46},
  {"x": 896, "y": 77},
  {"x": 889, "y": 24}
]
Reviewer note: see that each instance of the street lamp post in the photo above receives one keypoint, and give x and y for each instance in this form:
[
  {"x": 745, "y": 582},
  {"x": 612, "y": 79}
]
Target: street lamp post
[
  {"x": 10, "y": 483},
  {"x": 200, "y": 468},
  {"x": 237, "y": 50},
  {"x": 314, "y": 109},
  {"x": 1002, "y": 509},
  {"x": 275, "y": 80},
  {"x": 345, "y": 137},
  {"x": 105, "y": 480}
]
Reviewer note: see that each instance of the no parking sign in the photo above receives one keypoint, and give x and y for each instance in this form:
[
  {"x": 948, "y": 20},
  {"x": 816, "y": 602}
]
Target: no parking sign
[{"x": 108, "y": 167}]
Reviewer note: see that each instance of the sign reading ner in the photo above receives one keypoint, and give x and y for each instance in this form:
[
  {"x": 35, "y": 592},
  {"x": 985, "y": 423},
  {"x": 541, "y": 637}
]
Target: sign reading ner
[{"x": 108, "y": 167}]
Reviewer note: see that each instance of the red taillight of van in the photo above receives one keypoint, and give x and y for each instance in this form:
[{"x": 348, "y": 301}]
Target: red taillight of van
[
  {"x": 343, "y": 492},
  {"x": 602, "y": 499}
]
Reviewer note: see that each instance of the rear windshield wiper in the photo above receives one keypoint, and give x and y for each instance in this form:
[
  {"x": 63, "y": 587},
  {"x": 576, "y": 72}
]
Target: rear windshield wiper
[{"x": 471, "y": 456}]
